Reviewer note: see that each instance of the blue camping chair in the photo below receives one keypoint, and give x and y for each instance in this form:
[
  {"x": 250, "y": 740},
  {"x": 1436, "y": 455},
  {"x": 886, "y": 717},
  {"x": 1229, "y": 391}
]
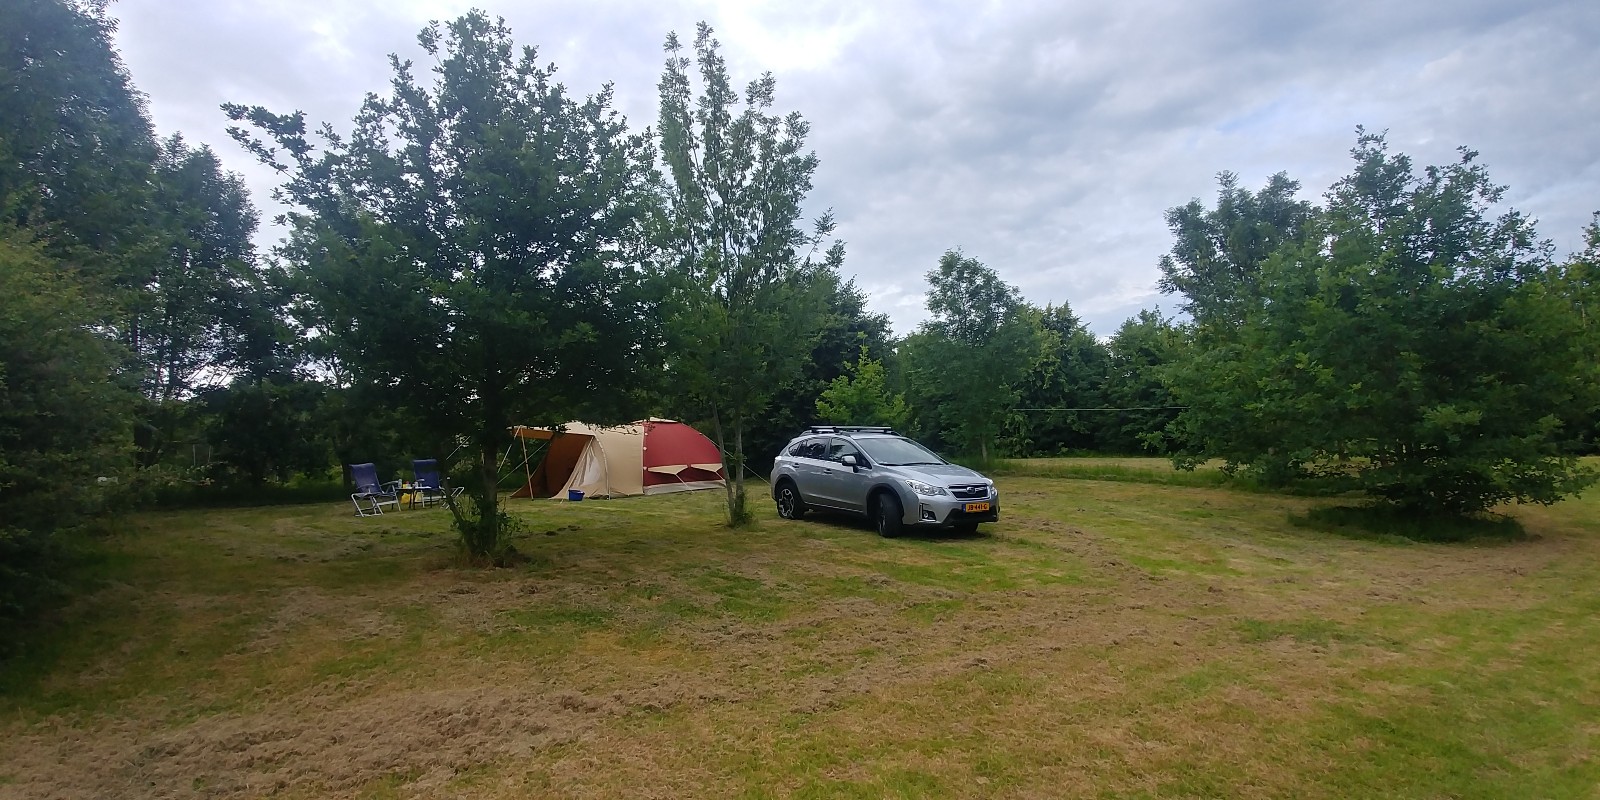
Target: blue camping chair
[
  {"x": 427, "y": 483},
  {"x": 376, "y": 495}
]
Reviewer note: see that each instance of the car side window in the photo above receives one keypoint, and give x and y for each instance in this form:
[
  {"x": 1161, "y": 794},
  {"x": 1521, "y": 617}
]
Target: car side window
[
  {"x": 810, "y": 448},
  {"x": 839, "y": 448}
]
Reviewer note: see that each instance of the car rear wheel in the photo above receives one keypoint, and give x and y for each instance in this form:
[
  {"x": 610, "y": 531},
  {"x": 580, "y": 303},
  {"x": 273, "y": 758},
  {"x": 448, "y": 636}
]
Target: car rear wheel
[
  {"x": 790, "y": 506},
  {"x": 886, "y": 514}
]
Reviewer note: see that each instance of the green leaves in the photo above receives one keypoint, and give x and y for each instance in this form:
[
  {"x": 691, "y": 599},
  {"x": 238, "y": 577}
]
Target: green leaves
[
  {"x": 862, "y": 396},
  {"x": 745, "y": 303},
  {"x": 964, "y": 364},
  {"x": 64, "y": 422},
  {"x": 474, "y": 248},
  {"x": 1218, "y": 253},
  {"x": 1408, "y": 344}
]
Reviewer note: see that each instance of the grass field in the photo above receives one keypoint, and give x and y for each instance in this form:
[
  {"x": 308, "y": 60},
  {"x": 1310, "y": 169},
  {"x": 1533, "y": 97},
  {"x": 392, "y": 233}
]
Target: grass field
[{"x": 1109, "y": 638}]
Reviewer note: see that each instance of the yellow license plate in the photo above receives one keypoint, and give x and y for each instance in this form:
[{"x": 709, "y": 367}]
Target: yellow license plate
[{"x": 976, "y": 507}]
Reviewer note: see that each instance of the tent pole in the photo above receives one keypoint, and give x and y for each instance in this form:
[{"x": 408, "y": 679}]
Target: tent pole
[{"x": 525, "y": 470}]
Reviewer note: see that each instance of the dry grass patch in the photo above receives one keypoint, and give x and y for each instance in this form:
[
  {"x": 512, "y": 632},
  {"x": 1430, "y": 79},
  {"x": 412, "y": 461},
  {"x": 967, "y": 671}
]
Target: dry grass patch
[{"x": 1106, "y": 639}]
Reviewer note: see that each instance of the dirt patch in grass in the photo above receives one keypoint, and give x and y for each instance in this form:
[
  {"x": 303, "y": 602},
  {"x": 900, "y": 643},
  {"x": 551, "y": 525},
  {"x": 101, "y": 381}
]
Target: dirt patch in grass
[{"x": 319, "y": 742}]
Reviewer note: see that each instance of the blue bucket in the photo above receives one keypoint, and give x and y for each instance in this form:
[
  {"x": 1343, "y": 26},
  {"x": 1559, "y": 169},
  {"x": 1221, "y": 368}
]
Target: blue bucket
[{"x": 574, "y": 495}]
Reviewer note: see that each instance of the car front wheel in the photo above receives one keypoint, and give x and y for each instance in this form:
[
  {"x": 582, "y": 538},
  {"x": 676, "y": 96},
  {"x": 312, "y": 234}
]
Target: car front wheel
[
  {"x": 886, "y": 513},
  {"x": 790, "y": 506}
]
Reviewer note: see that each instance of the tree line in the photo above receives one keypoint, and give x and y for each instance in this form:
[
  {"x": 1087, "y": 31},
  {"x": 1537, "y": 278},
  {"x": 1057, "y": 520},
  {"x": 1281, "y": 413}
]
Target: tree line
[{"x": 481, "y": 247}]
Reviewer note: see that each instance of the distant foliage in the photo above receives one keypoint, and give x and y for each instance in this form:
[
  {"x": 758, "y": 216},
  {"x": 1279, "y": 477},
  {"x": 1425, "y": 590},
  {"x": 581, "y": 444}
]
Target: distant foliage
[
  {"x": 197, "y": 309},
  {"x": 1143, "y": 350},
  {"x": 862, "y": 396},
  {"x": 843, "y": 329},
  {"x": 1068, "y": 371},
  {"x": 964, "y": 365}
]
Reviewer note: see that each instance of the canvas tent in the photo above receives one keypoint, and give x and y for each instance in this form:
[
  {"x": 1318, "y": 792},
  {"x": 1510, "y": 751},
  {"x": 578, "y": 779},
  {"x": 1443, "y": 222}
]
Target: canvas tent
[{"x": 652, "y": 456}]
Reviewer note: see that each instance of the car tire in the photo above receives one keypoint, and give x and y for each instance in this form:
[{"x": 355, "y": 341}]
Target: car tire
[
  {"x": 790, "y": 504},
  {"x": 886, "y": 515}
]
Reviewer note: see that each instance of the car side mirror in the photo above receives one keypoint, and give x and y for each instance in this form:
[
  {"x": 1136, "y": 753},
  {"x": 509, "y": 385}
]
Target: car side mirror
[{"x": 849, "y": 461}]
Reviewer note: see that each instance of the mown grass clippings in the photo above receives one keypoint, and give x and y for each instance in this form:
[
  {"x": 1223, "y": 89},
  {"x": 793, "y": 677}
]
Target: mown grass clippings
[{"x": 1106, "y": 639}]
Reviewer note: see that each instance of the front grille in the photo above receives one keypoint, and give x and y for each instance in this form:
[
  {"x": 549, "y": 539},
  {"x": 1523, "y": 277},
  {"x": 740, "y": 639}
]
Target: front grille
[{"x": 976, "y": 491}]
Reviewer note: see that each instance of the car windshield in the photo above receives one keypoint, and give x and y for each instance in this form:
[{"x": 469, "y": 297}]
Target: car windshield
[{"x": 898, "y": 452}]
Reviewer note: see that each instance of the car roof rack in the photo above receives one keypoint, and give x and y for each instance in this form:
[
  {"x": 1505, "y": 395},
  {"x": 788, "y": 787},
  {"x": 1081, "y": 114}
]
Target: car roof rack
[{"x": 850, "y": 429}]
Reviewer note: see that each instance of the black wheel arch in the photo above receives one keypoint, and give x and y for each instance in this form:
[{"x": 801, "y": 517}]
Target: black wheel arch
[{"x": 778, "y": 484}]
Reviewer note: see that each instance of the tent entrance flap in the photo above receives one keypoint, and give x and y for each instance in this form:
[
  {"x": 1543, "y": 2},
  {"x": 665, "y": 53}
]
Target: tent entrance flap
[{"x": 561, "y": 458}]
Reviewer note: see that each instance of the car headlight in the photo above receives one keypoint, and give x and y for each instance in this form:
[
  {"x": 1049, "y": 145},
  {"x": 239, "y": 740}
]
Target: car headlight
[{"x": 925, "y": 489}]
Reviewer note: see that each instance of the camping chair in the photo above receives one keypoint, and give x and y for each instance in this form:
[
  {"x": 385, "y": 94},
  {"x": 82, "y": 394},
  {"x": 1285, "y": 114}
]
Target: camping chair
[
  {"x": 375, "y": 494},
  {"x": 428, "y": 484}
]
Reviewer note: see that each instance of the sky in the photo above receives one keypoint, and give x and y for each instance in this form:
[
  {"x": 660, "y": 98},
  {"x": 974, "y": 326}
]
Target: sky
[{"x": 1045, "y": 139}]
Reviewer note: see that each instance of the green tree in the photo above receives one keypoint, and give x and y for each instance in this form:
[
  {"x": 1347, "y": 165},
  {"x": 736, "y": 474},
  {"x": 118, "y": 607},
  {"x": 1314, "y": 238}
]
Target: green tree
[
  {"x": 194, "y": 297},
  {"x": 1068, "y": 371},
  {"x": 473, "y": 248},
  {"x": 964, "y": 364},
  {"x": 76, "y": 148},
  {"x": 1578, "y": 281},
  {"x": 76, "y": 151},
  {"x": 843, "y": 328},
  {"x": 157, "y": 227},
  {"x": 270, "y": 429},
  {"x": 1142, "y": 349},
  {"x": 1410, "y": 344},
  {"x": 63, "y": 422},
  {"x": 862, "y": 396},
  {"x": 745, "y": 304},
  {"x": 1217, "y": 253}
]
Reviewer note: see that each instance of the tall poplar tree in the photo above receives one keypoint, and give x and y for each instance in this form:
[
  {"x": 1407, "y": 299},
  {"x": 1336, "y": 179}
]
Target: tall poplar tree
[{"x": 745, "y": 294}]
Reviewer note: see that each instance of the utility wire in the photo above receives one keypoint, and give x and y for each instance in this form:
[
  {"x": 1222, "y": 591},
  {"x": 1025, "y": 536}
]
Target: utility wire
[{"x": 1131, "y": 408}]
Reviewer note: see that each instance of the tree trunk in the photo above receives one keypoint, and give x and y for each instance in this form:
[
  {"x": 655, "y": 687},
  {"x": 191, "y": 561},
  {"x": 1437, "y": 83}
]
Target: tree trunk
[
  {"x": 738, "y": 510},
  {"x": 727, "y": 462},
  {"x": 482, "y": 535},
  {"x": 489, "y": 505}
]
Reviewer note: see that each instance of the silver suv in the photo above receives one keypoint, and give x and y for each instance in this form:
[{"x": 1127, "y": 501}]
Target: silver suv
[{"x": 882, "y": 475}]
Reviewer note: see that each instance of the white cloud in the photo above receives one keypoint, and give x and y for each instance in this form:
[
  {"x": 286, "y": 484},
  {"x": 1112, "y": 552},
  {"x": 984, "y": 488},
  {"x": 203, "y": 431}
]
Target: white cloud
[{"x": 1045, "y": 139}]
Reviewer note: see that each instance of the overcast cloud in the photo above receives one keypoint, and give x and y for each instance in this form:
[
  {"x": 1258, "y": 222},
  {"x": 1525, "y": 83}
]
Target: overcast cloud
[{"x": 1044, "y": 139}]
